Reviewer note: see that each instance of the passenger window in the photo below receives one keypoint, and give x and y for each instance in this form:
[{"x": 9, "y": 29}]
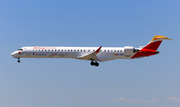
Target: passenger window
[
  {"x": 78, "y": 50},
  {"x": 111, "y": 50},
  {"x": 58, "y": 49},
  {"x": 52, "y": 49},
  {"x": 62, "y": 50},
  {"x": 88, "y": 50},
  {"x": 74, "y": 50},
  {"x": 55, "y": 50},
  {"x": 120, "y": 50},
  {"x": 93, "y": 50},
  {"x": 71, "y": 50},
  {"x": 104, "y": 50},
  {"x": 114, "y": 50},
  {"x": 84, "y": 50},
  {"x": 108, "y": 50},
  {"x": 117, "y": 50}
]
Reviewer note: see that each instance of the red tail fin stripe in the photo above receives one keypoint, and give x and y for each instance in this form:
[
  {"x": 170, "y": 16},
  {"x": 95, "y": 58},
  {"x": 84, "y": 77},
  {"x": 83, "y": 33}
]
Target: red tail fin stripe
[
  {"x": 148, "y": 50},
  {"x": 153, "y": 45}
]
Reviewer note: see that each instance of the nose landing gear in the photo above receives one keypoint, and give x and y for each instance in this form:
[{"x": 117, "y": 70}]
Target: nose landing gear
[
  {"x": 18, "y": 60},
  {"x": 94, "y": 63}
]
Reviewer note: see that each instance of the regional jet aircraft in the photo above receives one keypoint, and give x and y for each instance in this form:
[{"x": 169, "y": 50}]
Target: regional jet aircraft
[{"x": 93, "y": 54}]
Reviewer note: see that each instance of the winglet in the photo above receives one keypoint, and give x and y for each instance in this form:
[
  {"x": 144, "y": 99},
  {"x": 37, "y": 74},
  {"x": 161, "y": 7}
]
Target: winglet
[{"x": 97, "y": 51}]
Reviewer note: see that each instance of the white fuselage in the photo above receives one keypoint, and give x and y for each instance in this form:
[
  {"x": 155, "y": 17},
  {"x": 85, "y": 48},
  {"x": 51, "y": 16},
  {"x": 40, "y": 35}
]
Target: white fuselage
[
  {"x": 94, "y": 54},
  {"x": 106, "y": 53}
]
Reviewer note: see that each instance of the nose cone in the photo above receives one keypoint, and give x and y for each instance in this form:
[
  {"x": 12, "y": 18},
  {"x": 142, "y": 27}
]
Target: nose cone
[{"x": 14, "y": 54}]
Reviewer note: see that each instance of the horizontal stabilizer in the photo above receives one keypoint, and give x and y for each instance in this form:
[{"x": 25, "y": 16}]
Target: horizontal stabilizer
[{"x": 159, "y": 37}]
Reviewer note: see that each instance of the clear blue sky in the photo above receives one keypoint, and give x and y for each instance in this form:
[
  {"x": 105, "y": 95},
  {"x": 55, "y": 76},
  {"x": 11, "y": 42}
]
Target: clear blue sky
[{"x": 147, "y": 82}]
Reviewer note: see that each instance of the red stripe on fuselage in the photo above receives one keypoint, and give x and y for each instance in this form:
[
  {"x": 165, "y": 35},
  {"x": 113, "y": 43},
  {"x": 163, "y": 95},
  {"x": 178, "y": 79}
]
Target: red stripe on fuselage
[{"x": 144, "y": 53}]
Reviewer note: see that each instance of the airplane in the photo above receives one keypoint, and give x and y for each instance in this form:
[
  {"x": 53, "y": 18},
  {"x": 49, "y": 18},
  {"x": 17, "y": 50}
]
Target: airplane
[{"x": 93, "y": 54}]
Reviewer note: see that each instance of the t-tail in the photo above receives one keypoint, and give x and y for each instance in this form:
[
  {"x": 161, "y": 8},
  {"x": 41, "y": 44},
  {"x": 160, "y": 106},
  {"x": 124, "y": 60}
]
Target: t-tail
[{"x": 151, "y": 47}]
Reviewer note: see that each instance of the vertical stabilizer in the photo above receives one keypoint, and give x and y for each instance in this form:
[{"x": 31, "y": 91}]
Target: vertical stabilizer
[{"x": 155, "y": 42}]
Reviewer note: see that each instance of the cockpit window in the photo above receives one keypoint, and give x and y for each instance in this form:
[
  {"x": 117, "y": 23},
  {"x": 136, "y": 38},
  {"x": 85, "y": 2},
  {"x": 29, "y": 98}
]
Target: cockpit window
[{"x": 20, "y": 49}]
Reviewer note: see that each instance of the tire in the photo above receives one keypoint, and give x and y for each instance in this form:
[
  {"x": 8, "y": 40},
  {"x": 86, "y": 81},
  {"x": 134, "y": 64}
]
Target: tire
[
  {"x": 92, "y": 63},
  {"x": 96, "y": 64}
]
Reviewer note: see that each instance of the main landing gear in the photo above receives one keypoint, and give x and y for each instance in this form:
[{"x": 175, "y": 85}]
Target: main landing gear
[
  {"x": 18, "y": 60},
  {"x": 94, "y": 63}
]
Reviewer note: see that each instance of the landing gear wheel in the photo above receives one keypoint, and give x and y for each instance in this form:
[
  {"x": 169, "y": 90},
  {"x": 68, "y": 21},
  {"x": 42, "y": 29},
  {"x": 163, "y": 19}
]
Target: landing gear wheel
[
  {"x": 96, "y": 64},
  {"x": 18, "y": 60},
  {"x": 92, "y": 63}
]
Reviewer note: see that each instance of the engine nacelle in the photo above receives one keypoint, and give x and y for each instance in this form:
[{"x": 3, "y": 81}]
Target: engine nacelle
[{"x": 130, "y": 49}]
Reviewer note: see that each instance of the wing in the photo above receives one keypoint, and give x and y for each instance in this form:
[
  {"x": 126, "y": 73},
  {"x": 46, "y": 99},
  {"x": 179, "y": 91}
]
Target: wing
[{"x": 92, "y": 56}]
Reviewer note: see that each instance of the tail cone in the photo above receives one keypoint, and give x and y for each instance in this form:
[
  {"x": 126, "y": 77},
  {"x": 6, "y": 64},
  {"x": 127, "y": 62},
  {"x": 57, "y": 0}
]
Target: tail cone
[{"x": 157, "y": 52}]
